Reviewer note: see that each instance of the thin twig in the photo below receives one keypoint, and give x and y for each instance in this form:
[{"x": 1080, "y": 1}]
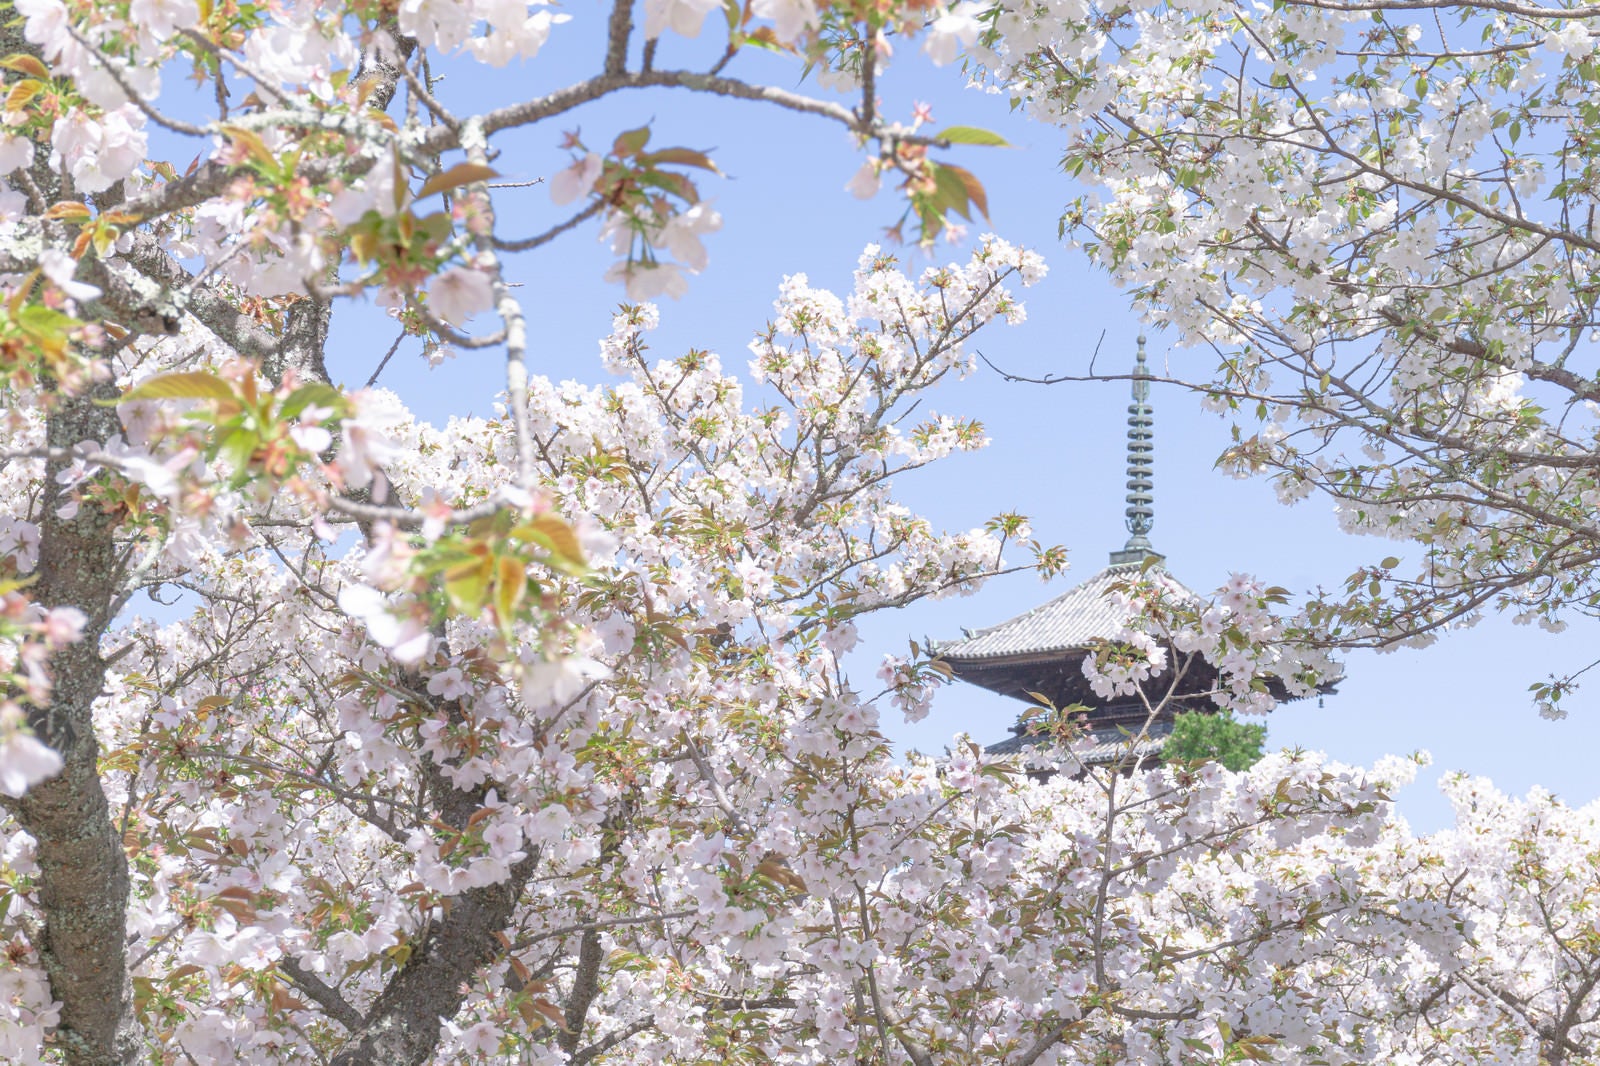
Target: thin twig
[
  {"x": 553, "y": 232},
  {"x": 373, "y": 380}
]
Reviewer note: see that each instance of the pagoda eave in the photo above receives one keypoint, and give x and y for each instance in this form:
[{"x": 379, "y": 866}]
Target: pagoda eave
[{"x": 1060, "y": 680}]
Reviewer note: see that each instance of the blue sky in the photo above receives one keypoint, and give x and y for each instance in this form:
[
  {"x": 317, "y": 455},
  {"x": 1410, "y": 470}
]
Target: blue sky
[{"x": 1058, "y": 451}]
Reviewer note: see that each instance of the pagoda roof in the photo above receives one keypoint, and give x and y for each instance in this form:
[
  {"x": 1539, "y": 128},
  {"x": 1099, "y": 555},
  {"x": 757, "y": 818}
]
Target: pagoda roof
[
  {"x": 1110, "y": 745},
  {"x": 1073, "y": 621}
]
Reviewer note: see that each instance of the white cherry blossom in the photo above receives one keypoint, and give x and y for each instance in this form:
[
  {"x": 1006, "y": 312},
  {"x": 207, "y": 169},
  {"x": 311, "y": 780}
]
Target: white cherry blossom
[
  {"x": 791, "y": 18},
  {"x": 683, "y": 17},
  {"x": 955, "y": 29},
  {"x": 459, "y": 293},
  {"x": 576, "y": 181}
]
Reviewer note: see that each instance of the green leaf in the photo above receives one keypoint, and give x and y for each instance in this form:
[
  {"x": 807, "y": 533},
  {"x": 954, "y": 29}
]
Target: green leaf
[
  {"x": 972, "y": 135},
  {"x": 974, "y": 187},
  {"x": 22, "y": 93},
  {"x": 510, "y": 588},
  {"x": 188, "y": 385},
  {"x": 253, "y": 145},
  {"x": 556, "y": 537},
  {"x": 764, "y": 37},
  {"x": 435, "y": 227},
  {"x": 23, "y": 63},
  {"x": 466, "y": 586},
  {"x": 674, "y": 182},
  {"x": 951, "y": 194},
  {"x": 37, "y": 319},
  {"x": 631, "y": 143},
  {"x": 456, "y": 176},
  {"x": 315, "y": 394},
  {"x": 69, "y": 211},
  {"x": 687, "y": 157},
  {"x": 236, "y": 449}
]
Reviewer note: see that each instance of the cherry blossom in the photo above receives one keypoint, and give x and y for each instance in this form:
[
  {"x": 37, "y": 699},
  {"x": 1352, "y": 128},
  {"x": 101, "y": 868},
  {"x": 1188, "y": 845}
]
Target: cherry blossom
[
  {"x": 865, "y": 183},
  {"x": 791, "y": 18},
  {"x": 681, "y": 235},
  {"x": 98, "y": 152},
  {"x": 334, "y": 735},
  {"x": 24, "y": 761},
  {"x": 458, "y": 293},
  {"x": 1326, "y": 216},
  {"x": 14, "y": 152},
  {"x": 683, "y": 17},
  {"x": 647, "y": 281},
  {"x": 59, "y": 268},
  {"x": 950, "y": 32},
  {"x": 163, "y": 18},
  {"x": 577, "y": 181}
]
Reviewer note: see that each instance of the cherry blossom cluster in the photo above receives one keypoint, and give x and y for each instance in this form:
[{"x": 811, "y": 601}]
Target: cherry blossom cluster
[
  {"x": 725, "y": 549},
  {"x": 28, "y": 636},
  {"x": 333, "y": 736},
  {"x": 708, "y": 837},
  {"x": 1369, "y": 214},
  {"x": 1244, "y": 634}
]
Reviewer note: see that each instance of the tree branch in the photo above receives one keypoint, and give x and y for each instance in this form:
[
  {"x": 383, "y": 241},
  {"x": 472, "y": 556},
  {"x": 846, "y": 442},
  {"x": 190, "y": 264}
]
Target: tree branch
[{"x": 325, "y": 995}]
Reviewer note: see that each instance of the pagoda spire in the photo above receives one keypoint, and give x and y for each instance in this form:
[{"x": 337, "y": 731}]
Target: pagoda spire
[{"x": 1141, "y": 515}]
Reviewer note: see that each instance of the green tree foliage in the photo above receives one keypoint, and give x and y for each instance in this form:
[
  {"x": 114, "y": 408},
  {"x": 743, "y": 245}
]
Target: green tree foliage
[{"x": 1199, "y": 736}]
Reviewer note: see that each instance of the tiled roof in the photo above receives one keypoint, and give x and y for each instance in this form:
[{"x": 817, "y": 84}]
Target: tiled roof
[
  {"x": 1073, "y": 619},
  {"x": 1111, "y": 745}
]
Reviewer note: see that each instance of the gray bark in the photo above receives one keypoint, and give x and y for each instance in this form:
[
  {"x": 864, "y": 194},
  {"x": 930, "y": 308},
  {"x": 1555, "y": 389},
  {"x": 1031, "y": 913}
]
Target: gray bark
[
  {"x": 83, "y": 873},
  {"x": 402, "y": 1025}
]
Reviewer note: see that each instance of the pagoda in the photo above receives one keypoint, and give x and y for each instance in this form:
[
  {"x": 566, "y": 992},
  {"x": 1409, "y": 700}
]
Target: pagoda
[{"x": 1041, "y": 653}]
